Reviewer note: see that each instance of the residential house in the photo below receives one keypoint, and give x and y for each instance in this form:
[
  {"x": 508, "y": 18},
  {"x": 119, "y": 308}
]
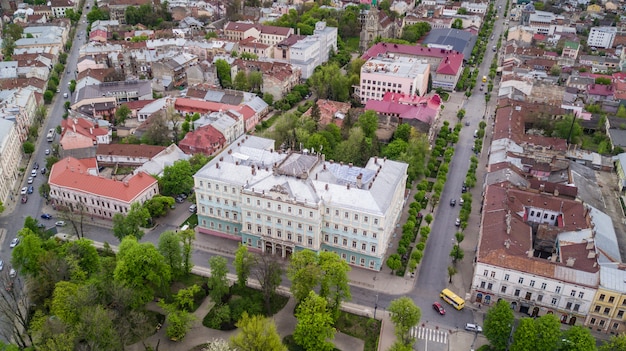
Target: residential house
[
  {"x": 278, "y": 77},
  {"x": 19, "y": 105},
  {"x": 172, "y": 71},
  {"x": 163, "y": 159},
  {"x": 112, "y": 92},
  {"x": 609, "y": 305},
  {"x": 205, "y": 140},
  {"x": 229, "y": 123},
  {"x": 330, "y": 111},
  {"x": 60, "y": 6},
  {"x": 570, "y": 49},
  {"x": 285, "y": 202},
  {"x": 10, "y": 159},
  {"x": 80, "y": 137},
  {"x": 77, "y": 186},
  {"x": 420, "y": 112},
  {"x": 599, "y": 93}
]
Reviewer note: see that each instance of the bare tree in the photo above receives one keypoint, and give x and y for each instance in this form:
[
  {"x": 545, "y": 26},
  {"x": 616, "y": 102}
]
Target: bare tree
[
  {"x": 14, "y": 310},
  {"x": 269, "y": 274},
  {"x": 75, "y": 215},
  {"x": 174, "y": 119}
]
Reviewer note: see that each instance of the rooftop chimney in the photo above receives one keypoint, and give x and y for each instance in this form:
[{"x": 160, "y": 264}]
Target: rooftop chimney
[
  {"x": 570, "y": 261},
  {"x": 359, "y": 180}
]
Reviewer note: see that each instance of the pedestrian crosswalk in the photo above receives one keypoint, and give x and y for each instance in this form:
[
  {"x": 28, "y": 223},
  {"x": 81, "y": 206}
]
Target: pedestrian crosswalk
[{"x": 440, "y": 336}]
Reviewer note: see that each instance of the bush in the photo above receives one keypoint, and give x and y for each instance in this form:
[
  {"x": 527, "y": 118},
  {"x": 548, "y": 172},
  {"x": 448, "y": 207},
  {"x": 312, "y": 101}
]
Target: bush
[{"x": 420, "y": 247}]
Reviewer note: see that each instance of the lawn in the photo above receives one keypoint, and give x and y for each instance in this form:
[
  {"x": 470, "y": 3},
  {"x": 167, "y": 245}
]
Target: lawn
[
  {"x": 366, "y": 329},
  {"x": 192, "y": 221}
]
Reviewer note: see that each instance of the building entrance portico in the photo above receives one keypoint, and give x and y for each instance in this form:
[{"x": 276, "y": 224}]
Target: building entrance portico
[{"x": 278, "y": 249}]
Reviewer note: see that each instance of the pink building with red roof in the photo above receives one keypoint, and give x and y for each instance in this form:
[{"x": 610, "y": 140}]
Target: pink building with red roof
[
  {"x": 191, "y": 106},
  {"x": 206, "y": 140},
  {"x": 446, "y": 66},
  {"x": 76, "y": 185},
  {"x": 419, "y": 111}
]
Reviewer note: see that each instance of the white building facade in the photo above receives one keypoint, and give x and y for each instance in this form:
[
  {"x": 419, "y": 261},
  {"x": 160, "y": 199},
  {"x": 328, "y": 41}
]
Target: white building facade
[
  {"x": 602, "y": 37},
  {"x": 285, "y": 202}
]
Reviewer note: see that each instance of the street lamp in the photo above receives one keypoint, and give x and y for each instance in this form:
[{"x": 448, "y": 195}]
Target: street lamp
[{"x": 375, "y": 306}]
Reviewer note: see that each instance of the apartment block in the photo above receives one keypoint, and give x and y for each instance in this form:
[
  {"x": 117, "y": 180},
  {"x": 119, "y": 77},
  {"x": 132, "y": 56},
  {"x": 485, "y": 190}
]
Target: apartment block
[{"x": 396, "y": 74}]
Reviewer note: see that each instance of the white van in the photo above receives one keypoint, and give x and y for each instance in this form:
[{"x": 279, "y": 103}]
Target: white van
[{"x": 65, "y": 95}]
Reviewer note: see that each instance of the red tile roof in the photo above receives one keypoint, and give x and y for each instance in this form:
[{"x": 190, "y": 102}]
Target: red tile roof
[
  {"x": 206, "y": 140},
  {"x": 83, "y": 127},
  {"x": 201, "y": 106},
  {"x": 506, "y": 238},
  {"x": 424, "y": 109},
  {"x": 137, "y": 104},
  {"x": 71, "y": 173},
  {"x": 131, "y": 150},
  {"x": 414, "y": 50},
  {"x": 600, "y": 90},
  {"x": 451, "y": 64}
]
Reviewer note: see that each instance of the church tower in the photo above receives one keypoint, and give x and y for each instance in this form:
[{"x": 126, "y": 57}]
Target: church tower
[{"x": 371, "y": 27}]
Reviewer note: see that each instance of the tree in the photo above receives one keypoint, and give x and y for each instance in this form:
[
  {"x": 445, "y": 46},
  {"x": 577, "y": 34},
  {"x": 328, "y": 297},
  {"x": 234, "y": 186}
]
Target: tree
[
  {"x": 414, "y": 32},
  {"x": 548, "y": 332},
  {"x": 457, "y": 253},
  {"x": 187, "y": 237},
  {"x": 621, "y": 112},
  {"x": 268, "y": 98},
  {"x": 269, "y": 274},
  {"x": 525, "y": 337},
  {"x": 404, "y": 316},
  {"x": 141, "y": 268},
  {"x": 170, "y": 247},
  {"x": 428, "y": 218},
  {"x": 223, "y": 73},
  {"x": 394, "y": 262},
  {"x": 334, "y": 283},
  {"x": 498, "y": 323},
  {"x": 316, "y": 114},
  {"x": 178, "y": 324},
  {"x": 26, "y": 256},
  {"x": 83, "y": 256},
  {"x": 327, "y": 82},
  {"x": 460, "y": 114},
  {"x": 177, "y": 178},
  {"x": 462, "y": 11},
  {"x": 241, "y": 81},
  {"x": 244, "y": 261},
  {"x": 218, "y": 282},
  {"x": 616, "y": 343},
  {"x": 457, "y": 23},
  {"x": 555, "y": 70},
  {"x": 158, "y": 205},
  {"x": 256, "y": 333},
  {"x": 255, "y": 81},
  {"x": 121, "y": 114},
  {"x": 28, "y": 147},
  {"x": 198, "y": 161},
  {"x": 578, "y": 338},
  {"x": 315, "y": 325},
  {"x": 369, "y": 123},
  {"x": 568, "y": 128},
  {"x": 451, "y": 271},
  {"x": 130, "y": 225},
  {"x": 40, "y": 113},
  {"x": 158, "y": 132},
  {"x": 304, "y": 273}
]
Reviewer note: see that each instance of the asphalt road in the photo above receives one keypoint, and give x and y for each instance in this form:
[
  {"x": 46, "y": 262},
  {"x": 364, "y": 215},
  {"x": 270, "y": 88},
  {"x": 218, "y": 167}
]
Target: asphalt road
[
  {"x": 32, "y": 208},
  {"x": 433, "y": 268}
]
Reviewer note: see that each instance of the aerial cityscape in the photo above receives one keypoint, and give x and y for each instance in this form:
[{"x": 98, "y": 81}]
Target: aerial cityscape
[{"x": 313, "y": 175}]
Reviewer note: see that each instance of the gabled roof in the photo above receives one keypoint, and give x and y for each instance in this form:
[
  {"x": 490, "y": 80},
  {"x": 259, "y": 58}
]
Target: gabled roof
[
  {"x": 73, "y": 174},
  {"x": 413, "y": 50},
  {"x": 130, "y": 150},
  {"x": 205, "y": 139},
  {"x": 83, "y": 127}
]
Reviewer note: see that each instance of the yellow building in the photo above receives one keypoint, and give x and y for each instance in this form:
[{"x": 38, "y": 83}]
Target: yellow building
[
  {"x": 608, "y": 308},
  {"x": 594, "y": 8}
]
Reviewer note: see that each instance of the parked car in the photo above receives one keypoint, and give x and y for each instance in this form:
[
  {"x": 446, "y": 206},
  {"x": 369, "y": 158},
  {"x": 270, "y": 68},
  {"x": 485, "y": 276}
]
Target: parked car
[
  {"x": 1, "y": 264},
  {"x": 179, "y": 199},
  {"x": 473, "y": 327},
  {"x": 43, "y": 170},
  {"x": 183, "y": 195},
  {"x": 12, "y": 273},
  {"x": 14, "y": 242},
  {"x": 461, "y": 201},
  {"x": 437, "y": 307},
  {"x": 464, "y": 188},
  {"x": 24, "y": 199},
  {"x": 193, "y": 208},
  {"x": 60, "y": 223},
  {"x": 47, "y": 152},
  {"x": 33, "y": 173},
  {"x": 452, "y": 202},
  {"x": 30, "y": 180},
  {"x": 36, "y": 165},
  {"x": 46, "y": 216},
  {"x": 30, "y": 189},
  {"x": 457, "y": 222},
  {"x": 24, "y": 191}
]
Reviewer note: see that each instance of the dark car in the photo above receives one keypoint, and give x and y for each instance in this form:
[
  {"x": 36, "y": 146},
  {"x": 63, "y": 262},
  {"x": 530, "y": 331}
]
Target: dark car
[
  {"x": 452, "y": 202},
  {"x": 464, "y": 189},
  {"x": 43, "y": 170},
  {"x": 437, "y": 307},
  {"x": 24, "y": 199},
  {"x": 179, "y": 199},
  {"x": 30, "y": 189},
  {"x": 46, "y": 216}
]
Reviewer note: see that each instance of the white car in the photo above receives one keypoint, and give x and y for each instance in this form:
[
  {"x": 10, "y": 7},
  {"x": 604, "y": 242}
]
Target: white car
[
  {"x": 24, "y": 191},
  {"x": 30, "y": 180},
  {"x": 14, "y": 242},
  {"x": 12, "y": 273},
  {"x": 60, "y": 223},
  {"x": 457, "y": 222},
  {"x": 47, "y": 152},
  {"x": 1, "y": 264},
  {"x": 473, "y": 328}
]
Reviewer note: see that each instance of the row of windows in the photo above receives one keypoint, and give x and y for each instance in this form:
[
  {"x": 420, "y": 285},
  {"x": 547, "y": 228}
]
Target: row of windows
[
  {"x": 355, "y": 231},
  {"x": 532, "y": 284},
  {"x": 607, "y": 311},
  {"x": 223, "y": 188},
  {"x": 279, "y": 207},
  {"x": 218, "y": 213},
  {"x": 355, "y": 216},
  {"x": 279, "y": 234},
  {"x": 219, "y": 226},
  {"x": 385, "y": 84},
  {"x": 528, "y": 296},
  {"x": 611, "y": 299},
  {"x": 344, "y": 242},
  {"x": 593, "y": 321},
  {"x": 219, "y": 201}
]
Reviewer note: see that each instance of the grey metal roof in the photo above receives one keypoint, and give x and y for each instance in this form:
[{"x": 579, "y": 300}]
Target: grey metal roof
[
  {"x": 214, "y": 96},
  {"x": 460, "y": 40},
  {"x": 142, "y": 87},
  {"x": 605, "y": 238},
  {"x": 257, "y": 104},
  {"x": 6, "y": 126},
  {"x": 613, "y": 279}
]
